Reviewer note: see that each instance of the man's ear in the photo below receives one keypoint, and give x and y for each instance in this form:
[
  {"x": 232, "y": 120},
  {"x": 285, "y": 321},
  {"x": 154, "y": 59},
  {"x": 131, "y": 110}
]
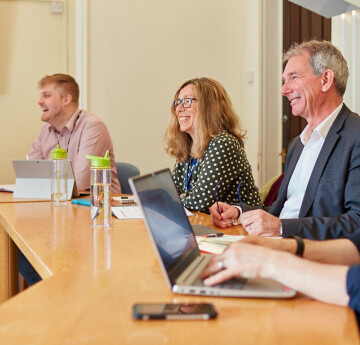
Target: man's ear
[
  {"x": 67, "y": 99},
  {"x": 327, "y": 80}
]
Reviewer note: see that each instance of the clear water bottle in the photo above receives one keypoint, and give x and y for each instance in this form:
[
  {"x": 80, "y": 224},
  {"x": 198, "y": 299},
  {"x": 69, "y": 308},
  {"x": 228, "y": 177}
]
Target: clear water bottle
[
  {"x": 100, "y": 191},
  {"x": 59, "y": 176}
]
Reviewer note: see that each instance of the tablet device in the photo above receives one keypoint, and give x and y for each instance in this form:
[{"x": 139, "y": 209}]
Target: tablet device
[{"x": 33, "y": 179}]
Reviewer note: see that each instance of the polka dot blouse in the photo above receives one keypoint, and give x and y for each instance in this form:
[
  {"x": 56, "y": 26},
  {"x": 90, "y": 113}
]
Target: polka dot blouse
[{"x": 224, "y": 159}]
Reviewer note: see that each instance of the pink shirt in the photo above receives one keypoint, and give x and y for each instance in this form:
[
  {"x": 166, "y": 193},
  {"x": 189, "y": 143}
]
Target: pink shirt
[{"x": 84, "y": 134}]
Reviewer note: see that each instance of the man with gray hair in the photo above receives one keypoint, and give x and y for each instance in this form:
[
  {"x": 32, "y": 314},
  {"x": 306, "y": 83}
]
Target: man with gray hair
[{"x": 319, "y": 197}]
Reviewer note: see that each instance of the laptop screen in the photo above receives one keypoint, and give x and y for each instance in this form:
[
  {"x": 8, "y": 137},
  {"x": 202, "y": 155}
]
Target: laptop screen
[{"x": 165, "y": 217}]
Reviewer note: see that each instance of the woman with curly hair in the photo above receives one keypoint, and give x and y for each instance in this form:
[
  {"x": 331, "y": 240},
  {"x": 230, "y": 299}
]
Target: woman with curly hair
[{"x": 205, "y": 138}]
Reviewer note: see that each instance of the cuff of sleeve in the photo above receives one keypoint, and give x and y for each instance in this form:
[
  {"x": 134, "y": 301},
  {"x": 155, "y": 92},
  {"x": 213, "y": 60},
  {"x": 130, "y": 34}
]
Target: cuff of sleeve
[
  {"x": 240, "y": 212},
  {"x": 353, "y": 287}
]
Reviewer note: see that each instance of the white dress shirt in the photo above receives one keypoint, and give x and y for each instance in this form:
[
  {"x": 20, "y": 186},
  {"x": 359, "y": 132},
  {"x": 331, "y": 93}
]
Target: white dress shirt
[{"x": 313, "y": 142}]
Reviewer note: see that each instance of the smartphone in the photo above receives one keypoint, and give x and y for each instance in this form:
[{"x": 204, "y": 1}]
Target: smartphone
[{"x": 197, "y": 311}]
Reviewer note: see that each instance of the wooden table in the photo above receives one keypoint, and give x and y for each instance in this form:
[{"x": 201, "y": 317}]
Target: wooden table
[
  {"x": 8, "y": 197},
  {"x": 92, "y": 278}
]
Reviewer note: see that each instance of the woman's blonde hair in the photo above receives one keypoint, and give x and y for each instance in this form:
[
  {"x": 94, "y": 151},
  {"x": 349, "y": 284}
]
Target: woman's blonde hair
[{"x": 214, "y": 114}]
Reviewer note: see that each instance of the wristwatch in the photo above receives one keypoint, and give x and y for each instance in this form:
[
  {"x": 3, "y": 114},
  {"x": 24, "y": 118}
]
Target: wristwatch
[{"x": 300, "y": 245}]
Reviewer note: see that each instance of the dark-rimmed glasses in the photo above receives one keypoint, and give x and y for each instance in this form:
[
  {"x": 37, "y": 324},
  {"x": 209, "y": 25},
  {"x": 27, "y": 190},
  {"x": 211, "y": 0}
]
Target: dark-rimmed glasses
[
  {"x": 217, "y": 200},
  {"x": 186, "y": 102}
]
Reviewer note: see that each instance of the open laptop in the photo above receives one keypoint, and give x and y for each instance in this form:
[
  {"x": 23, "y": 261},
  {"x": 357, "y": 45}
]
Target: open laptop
[
  {"x": 33, "y": 179},
  {"x": 176, "y": 247}
]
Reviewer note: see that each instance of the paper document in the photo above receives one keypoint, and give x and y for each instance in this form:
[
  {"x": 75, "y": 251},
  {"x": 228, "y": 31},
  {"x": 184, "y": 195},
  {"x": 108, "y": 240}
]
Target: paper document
[
  {"x": 127, "y": 212},
  {"x": 133, "y": 212},
  {"x": 216, "y": 245},
  {"x": 188, "y": 213},
  {"x": 7, "y": 188}
]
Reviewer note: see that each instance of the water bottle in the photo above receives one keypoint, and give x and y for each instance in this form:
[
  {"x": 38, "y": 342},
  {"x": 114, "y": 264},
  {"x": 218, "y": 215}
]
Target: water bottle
[
  {"x": 100, "y": 191},
  {"x": 59, "y": 176}
]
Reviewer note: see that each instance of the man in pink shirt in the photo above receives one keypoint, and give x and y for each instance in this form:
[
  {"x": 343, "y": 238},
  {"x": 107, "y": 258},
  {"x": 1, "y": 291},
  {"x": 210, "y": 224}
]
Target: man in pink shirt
[{"x": 77, "y": 131}]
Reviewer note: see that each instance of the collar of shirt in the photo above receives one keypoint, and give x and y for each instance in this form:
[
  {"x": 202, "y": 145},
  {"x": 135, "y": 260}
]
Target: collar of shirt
[
  {"x": 322, "y": 129},
  {"x": 70, "y": 124}
]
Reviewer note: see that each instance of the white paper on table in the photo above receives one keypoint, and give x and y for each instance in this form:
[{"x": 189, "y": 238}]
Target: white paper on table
[
  {"x": 188, "y": 213},
  {"x": 133, "y": 212},
  {"x": 7, "y": 188},
  {"x": 127, "y": 212}
]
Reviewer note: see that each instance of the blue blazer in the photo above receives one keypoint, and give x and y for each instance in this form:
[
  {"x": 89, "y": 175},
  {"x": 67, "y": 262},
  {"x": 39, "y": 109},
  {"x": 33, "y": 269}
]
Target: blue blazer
[{"x": 331, "y": 205}]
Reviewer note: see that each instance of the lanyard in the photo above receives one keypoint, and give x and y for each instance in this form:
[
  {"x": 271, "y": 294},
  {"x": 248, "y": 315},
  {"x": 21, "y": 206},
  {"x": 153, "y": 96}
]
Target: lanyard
[
  {"x": 57, "y": 137},
  {"x": 188, "y": 174}
]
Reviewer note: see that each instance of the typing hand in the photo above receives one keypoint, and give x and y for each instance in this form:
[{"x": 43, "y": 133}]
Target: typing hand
[{"x": 238, "y": 260}]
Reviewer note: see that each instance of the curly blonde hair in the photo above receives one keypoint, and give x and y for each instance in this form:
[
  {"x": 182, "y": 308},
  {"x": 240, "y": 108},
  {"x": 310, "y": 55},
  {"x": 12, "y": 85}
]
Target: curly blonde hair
[{"x": 215, "y": 114}]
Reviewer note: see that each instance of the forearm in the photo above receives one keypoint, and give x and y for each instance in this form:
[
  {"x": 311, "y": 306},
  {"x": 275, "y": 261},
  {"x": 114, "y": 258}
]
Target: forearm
[
  {"x": 323, "y": 228},
  {"x": 340, "y": 252},
  {"x": 326, "y": 283}
]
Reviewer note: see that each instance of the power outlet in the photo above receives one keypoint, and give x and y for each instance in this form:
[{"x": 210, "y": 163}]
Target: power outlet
[{"x": 56, "y": 7}]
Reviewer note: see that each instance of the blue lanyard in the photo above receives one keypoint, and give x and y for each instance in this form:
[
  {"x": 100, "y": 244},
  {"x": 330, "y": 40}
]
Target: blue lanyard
[{"x": 188, "y": 174}]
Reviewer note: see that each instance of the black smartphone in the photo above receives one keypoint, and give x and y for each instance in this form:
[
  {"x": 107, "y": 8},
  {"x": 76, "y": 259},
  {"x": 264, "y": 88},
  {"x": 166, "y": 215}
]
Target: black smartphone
[{"x": 197, "y": 311}]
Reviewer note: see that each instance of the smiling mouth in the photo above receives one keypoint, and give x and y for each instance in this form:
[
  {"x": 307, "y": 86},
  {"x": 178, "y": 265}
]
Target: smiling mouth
[
  {"x": 183, "y": 118},
  {"x": 294, "y": 100}
]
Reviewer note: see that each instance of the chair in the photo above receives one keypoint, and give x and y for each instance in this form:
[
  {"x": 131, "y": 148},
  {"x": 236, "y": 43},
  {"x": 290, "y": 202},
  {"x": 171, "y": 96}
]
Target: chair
[
  {"x": 268, "y": 194},
  {"x": 124, "y": 171}
]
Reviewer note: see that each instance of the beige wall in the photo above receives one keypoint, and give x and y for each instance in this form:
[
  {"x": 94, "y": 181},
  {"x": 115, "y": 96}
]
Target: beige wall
[
  {"x": 139, "y": 52},
  {"x": 33, "y": 42}
]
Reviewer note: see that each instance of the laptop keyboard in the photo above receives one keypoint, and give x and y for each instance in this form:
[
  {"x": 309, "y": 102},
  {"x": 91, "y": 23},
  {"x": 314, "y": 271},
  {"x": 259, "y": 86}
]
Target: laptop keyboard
[{"x": 234, "y": 283}]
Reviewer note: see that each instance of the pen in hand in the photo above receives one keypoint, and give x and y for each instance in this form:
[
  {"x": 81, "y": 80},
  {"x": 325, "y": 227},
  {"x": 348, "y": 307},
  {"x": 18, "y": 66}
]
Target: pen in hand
[
  {"x": 216, "y": 198},
  {"x": 214, "y": 235}
]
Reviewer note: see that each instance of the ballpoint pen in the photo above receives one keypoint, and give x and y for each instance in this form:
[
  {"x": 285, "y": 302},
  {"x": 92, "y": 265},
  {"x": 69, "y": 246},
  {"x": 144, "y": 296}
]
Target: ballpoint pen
[
  {"x": 214, "y": 235},
  {"x": 216, "y": 198}
]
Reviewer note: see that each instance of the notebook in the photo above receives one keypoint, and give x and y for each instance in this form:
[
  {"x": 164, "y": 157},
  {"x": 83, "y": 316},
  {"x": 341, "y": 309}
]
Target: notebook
[
  {"x": 176, "y": 248},
  {"x": 33, "y": 179}
]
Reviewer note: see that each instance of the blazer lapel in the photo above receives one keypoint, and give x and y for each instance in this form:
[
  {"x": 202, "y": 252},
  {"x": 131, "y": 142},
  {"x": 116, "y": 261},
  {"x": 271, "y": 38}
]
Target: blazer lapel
[{"x": 329, "y": 143}]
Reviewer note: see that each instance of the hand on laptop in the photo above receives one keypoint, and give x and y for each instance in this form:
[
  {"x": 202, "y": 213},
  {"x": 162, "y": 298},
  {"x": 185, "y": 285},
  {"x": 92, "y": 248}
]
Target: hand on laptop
[{"x": 241, "y": 260}]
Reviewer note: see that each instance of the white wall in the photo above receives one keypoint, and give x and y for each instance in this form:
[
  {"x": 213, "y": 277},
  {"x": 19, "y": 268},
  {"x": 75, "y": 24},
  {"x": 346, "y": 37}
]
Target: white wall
[
  {"x": 270, "y": 129},
  {"x": 345, "y": 34}
]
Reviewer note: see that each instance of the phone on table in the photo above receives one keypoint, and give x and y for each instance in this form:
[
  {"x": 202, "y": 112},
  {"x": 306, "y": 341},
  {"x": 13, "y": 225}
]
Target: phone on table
[{"x": 179, "y": 311}]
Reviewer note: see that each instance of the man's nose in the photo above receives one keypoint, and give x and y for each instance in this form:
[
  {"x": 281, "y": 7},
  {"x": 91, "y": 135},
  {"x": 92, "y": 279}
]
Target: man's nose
[{"x": 284, "y": 89}]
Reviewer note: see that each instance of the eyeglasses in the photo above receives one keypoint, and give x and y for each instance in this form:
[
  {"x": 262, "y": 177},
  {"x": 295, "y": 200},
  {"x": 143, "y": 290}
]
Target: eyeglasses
[
  {"x": 217, "y": 200},
  {"x": 186, "y": 102}
]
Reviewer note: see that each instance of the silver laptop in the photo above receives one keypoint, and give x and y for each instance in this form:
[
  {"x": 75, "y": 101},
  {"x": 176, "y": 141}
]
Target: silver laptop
[
  {"x": 33, "y": 179},
  {"x": 175, "y": 244}
]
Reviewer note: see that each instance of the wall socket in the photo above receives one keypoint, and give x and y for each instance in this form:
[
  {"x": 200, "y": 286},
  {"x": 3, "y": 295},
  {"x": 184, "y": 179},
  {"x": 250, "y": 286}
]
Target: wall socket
[{"x": 56, "y": 6}]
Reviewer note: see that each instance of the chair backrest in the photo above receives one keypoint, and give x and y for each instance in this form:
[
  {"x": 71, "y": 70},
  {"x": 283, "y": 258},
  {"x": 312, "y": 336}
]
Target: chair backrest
[
  {"x": 124, "y": 171},
  {"x": 268, "y": 194}
]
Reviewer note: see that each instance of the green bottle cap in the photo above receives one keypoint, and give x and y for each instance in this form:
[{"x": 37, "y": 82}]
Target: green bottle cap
[
  {"x": 58, "y": 153},
  {"x": 100, "y": 162}
]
